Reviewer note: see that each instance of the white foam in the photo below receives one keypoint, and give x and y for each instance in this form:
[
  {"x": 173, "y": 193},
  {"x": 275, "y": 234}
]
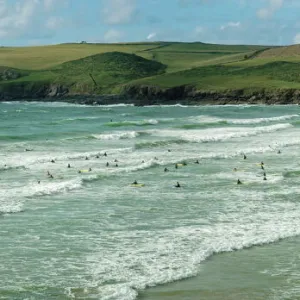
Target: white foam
[
  {"x": 117, "y": 135},
  {"x": 117, "y": 105},
  {"x": 262, "y": 120},
  {"x": 49, "y": 188},
  {"x": 206, "y": 119},
  {"x": 220, "y": 134}
]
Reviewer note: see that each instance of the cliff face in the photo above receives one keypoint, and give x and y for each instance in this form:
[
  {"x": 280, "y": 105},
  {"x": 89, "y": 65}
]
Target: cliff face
[
  {"x": 148, "y": 95},
  {"x": 27, "y": 91}
]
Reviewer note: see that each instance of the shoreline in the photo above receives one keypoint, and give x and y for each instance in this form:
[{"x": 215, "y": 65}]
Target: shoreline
[
  {"x": 142, "y": 95},
  {"x": 231, "y": 275}
]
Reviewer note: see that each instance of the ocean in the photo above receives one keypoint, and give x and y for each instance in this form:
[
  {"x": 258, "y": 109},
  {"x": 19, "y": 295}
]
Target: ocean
[{"x": 85, "y": 232}]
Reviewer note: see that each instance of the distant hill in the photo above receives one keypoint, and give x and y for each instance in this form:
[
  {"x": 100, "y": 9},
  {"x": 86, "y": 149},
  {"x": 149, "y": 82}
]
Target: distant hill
[
  {"x": 281, "y": 52},
  {"x": 100, "y": 69}
]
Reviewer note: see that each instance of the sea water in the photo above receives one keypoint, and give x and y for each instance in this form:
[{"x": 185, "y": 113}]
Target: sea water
[{"x": 87, "y": 233}]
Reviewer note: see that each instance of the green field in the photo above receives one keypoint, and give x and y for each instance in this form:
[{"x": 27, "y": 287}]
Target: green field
[{"x": 107, "y": 68}]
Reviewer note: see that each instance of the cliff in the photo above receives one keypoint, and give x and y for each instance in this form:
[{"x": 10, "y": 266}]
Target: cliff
[{"x": 149, "y": 95}]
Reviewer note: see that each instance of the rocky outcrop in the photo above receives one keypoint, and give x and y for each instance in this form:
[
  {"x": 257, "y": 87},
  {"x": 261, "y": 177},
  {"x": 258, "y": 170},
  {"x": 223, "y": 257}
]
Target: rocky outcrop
[{"x": 9, "y": 74}]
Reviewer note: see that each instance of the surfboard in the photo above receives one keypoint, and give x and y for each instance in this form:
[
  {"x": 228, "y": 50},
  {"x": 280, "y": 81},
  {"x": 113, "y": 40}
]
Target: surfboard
[
  {"x": 84, "y": 171},
  {"x": 180, "y": 165},
  {"x": 137, "y": 185}
]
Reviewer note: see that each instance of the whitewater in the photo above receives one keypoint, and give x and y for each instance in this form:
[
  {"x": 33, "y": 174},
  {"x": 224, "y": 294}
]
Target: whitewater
[{"x": 86, "y": 233}]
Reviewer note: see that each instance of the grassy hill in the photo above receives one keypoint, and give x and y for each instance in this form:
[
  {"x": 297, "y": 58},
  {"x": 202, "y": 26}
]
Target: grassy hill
[
  {"x": 107, "y": 68},
  {"x": 101, "y": 72},
  {"x": 271, "y": 75}
]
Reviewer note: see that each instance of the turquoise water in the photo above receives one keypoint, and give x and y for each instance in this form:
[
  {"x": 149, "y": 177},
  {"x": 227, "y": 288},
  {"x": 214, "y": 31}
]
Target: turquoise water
[{"x": 91, "y": 235}]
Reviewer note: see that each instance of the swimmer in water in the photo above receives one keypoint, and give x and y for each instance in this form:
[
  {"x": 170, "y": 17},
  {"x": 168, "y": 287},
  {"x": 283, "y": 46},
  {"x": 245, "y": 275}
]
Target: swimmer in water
[
  {"x": 197, "y": 161},
  {"x": 105, "y": 154},
  {"x": 245, "y": 157},
  {"x": 86, "y": 158},
  {"x": 177, "y": 185},
  {"x": 184, "y": 163},
  {"x": 107, "y": 164},
  {"x": 166, "y": 170},
  {"x": 239, "y": 182},
  {"x": 176, "y": 166},
  {"x": 97, "y": 156},
  {"x": 69, "y": 166},
  {"x": 53, "y": 161},
  {"x": 90, "y": 169},
  {"x": 235, "y": 169}
]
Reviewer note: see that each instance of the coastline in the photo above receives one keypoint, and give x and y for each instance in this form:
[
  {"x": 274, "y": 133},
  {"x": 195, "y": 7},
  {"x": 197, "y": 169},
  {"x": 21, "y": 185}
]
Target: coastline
[{"x": 141, "y": 95}]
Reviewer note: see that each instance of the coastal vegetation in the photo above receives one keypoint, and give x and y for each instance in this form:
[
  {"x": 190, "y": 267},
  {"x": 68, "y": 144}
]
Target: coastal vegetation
[{"x": 104, "y": 69}]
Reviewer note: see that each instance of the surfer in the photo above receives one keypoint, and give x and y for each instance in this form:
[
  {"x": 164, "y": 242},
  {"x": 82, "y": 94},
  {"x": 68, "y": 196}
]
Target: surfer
[
  {"x": 117, "y": 165},
  {"x": 86, "y": 158},
  {"x": 105, "y": 154},
  {"x": 177, "y": 185},
  {"x": 262, "y": 167},
  {"x": 51, "y": 176},
  {"x": 184, "y": 163},
  {"x": 166, "y": 170},
  {"x": 107, "y": 164},
  {"x": 245, "y": 157},
  {"x": 53, "y": 161},
  {"x": 69, "y": 166},
  {"x": 116, "y": 160},
  {"x": 48, "y": 173},
  {"x": 79, "y": 171},
  {"x": 97, "y": 156},
  {"x": 197, "y": 161},
  {"x": 176, "y": 166},
  {"x": 135, "y": 182},
  {"x": 90, "y": 169},
  {"x": 39, "y": 181},
  {"x": 239, "y": 182},
  {"x": 265, "y": 178},
  {"x": 143, "y": 161},
  {"x": 235, "y": 169},
  {"x": 278, "y": 152}
]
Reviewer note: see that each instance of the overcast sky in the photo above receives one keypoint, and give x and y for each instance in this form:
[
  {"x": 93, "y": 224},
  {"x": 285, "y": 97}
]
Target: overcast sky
[{"x": 38, "y": 22}]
